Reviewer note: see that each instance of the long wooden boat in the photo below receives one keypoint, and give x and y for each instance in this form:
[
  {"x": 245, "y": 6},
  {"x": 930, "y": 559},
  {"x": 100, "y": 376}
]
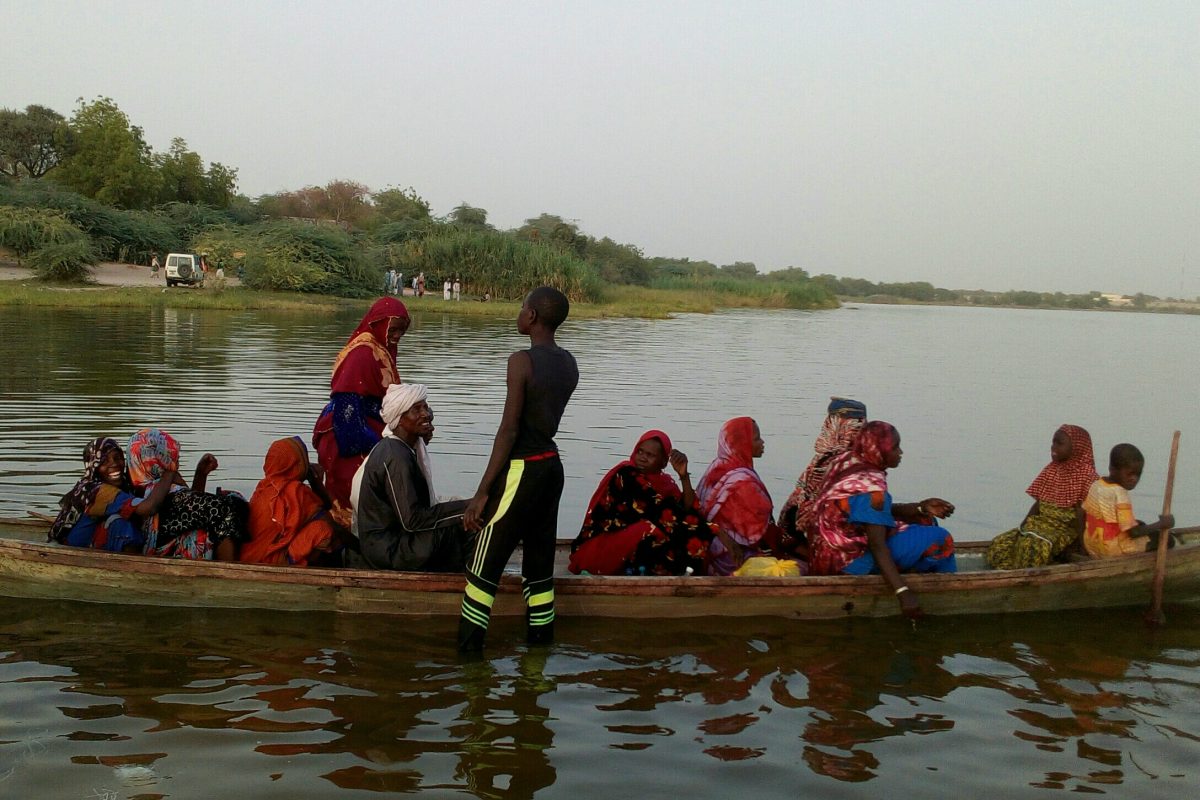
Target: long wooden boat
[{"x": 31, "y": 568}]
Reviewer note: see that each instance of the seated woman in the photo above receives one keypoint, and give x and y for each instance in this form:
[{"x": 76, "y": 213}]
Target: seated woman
[
  {"x": 861, "y": 531},
  {"x": 190, "y": 523},
  {"x": 843, "y": 420},
  {"x": 639, "y": 522},
  {"x": 350, "y": 424},
  {"x": 1055, "y": 520},
  {"x": 290, "y": 521},
  {"x": 398, "y": 520},
  {"x": 103, "y": 510},
  {"x": 736, "y": 501}
]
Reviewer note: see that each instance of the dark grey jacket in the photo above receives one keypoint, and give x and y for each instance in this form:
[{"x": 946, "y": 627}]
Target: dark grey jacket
[{"x": 396, "y": 525}]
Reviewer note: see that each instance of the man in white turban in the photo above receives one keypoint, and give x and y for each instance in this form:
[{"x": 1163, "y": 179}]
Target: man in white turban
[{"x": 397, "y": 516}]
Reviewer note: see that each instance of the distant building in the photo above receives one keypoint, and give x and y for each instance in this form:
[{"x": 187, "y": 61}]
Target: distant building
[{"x": 1117, "y": 299}]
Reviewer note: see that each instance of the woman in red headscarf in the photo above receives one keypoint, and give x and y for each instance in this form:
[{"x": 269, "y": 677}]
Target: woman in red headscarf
[
  {"x": 1055, "y": 520},
  {"x": 638, "y": 521},
  {"x": 289, "y": 520},
  {"x": 860, "y": 531},
  {"x": 735, "y": 500},
  {"x": 350, "y": 425}
]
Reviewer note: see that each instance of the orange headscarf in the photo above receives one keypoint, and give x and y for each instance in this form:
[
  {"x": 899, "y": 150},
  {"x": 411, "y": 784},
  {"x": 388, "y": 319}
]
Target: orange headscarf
[{"x": 282, "y": 507}]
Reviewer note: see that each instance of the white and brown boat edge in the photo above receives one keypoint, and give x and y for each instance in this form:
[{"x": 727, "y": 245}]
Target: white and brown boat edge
[{"x": 35, "y": 569}]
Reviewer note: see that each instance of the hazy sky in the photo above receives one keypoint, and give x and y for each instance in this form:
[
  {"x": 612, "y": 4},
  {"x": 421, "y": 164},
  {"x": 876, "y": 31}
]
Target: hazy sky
[{"x": 1040, "y": 145}]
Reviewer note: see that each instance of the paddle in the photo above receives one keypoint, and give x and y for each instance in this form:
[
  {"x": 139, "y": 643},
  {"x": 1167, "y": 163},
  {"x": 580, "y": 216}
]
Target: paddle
[{"x": 1155, "y": 615}]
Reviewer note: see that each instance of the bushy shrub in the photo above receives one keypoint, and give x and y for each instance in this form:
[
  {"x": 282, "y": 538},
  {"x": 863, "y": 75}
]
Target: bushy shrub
[
  {"x": 498, "y": 263},
  {"x": 64, "y": 261},
  {"x": 24, "y": 230}
]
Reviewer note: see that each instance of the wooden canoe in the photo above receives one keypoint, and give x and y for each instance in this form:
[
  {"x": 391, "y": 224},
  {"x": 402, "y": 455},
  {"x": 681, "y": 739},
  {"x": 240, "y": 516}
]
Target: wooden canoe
[{"x": 34, "y": 569}]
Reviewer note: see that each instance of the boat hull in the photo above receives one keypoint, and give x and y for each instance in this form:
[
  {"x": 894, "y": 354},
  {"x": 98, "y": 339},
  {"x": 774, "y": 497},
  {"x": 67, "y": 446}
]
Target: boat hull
[{"x": 38, "y": 570}]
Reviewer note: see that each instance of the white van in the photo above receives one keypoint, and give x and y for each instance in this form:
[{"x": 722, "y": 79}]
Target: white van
[{"x": 184, "y": 268}]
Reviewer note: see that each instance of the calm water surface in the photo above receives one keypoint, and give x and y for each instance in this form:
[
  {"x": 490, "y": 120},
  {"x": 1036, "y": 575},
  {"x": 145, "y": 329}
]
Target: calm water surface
[{"x": 138, "y": 703}]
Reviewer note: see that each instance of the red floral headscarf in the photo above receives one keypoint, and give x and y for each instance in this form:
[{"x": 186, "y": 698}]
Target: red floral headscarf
[{"x": 1066, "y": 483}]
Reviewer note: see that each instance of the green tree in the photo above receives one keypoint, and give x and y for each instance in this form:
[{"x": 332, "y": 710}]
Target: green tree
[
  {"x": 400, "y": 205},
  {"x": 31, "y": 141},
  {"x": 465, "y": 215},
  {"x": 740, "y": 269},
  {"x": 181, "y": 175},
  {"x": 108, "y": 158}
]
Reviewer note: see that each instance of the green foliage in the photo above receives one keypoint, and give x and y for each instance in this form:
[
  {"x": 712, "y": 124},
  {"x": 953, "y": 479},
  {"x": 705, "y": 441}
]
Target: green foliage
[
  {"x": 740, "y": 269},
  {"x": 108, "y": 159},
  {"x": 617, "y": 263},
  {"x": 500, "y": 263},
  {"x": 31, "y": 141},
  {"x": 64, "y": 261},
  {"x": 25, "y": 230},
  {"x": 468, "y": 216},
  {"x": 765, "y": 293},
  {"x": 404, "y": 206}
]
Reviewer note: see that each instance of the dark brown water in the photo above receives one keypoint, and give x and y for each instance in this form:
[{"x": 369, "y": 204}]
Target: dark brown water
[{"x": 130, "y": 702}]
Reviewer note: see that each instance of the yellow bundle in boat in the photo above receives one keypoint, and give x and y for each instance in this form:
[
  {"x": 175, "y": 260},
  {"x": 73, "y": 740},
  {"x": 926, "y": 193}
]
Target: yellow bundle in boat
[{"x": 768, "y": 567}]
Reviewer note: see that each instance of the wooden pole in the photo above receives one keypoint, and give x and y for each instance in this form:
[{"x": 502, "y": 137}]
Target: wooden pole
[{"x": 1155, "y": 616}]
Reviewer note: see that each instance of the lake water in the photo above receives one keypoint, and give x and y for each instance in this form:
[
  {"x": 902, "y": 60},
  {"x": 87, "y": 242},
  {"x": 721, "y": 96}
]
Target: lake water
[{"x": 137, "y": 703}]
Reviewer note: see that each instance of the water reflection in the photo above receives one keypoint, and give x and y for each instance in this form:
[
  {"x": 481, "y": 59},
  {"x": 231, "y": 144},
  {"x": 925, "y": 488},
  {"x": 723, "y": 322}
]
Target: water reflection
[{"x": 286, "y": 704}]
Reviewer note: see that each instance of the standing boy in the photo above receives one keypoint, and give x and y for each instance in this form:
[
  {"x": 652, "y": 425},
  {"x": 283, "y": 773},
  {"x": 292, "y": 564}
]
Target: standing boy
[
  {"x": 1110, "y": 528},
  {"x": 517, "y": 500}
]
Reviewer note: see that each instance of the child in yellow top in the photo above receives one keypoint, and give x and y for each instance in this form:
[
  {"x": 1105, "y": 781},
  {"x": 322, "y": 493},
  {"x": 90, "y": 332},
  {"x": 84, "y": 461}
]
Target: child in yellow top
[{"x": 1109, "y": 526}]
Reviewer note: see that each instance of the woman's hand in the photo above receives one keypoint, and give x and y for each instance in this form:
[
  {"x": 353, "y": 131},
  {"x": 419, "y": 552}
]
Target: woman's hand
[
  {"x": 473, "y": 515},
  {"x": 679, "y": 462},
  {"x": 937, "y": 507},
  {"x": 909, "y": 605},
  {"x": 208, "y": 463}
]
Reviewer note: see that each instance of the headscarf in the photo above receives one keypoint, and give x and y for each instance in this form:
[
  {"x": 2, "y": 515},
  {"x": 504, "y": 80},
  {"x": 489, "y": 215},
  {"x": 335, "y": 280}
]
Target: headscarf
[
  {"x": 867, "y": 454},
  {"x": 282, "y": 504},
  {"x": 371, "y": 333},
  {"x": 151, "y": 454},
  {"x": 843, "y": 421},
  {"x": 75, "y": 503},
  {"x": 730, "y": 492},
  {"x": 1066, "y": 483},
  {"x": 660, "y": 481},
  {"x": 400, "y": 397}
]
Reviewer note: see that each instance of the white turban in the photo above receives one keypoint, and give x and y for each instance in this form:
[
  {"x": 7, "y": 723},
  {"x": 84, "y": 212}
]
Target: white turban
[{"x": 400, "y": 397}]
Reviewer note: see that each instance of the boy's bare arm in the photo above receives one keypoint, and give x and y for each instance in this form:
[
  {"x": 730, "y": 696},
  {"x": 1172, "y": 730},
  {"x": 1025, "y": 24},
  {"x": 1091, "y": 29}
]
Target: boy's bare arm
[
  {"x": 1165, "y": 523},
  {"x": 520, "y": 369}
]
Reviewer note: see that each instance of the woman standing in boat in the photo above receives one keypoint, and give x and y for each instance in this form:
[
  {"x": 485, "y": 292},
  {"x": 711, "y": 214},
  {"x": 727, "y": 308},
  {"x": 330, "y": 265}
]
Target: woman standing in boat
[
  {"x": 1055, "y": 520},
  {"x": 639, "y": 522},
  {"x": 735, "y": 500},
  {"x": 350, "y": 424},
  {"x": 860, "y": 531}
]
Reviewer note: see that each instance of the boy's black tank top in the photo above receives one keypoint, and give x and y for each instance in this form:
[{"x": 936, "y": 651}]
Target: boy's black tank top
[{"x": 555, "y": 376}]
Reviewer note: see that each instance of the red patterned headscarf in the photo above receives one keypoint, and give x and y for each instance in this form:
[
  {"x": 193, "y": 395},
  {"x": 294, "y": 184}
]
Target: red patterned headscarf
[
  {"x": 731, "y": 493},
  {"x": 662, "y": 483},
  {"x": 1066, "y": 483},
  {"x": 869, "y": 452}
]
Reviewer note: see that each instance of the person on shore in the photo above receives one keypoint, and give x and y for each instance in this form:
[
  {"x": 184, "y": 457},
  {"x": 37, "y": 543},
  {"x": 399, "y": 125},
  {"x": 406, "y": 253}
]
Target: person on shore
[
  {"x": 457, "y": 288},
  {"x": 103, "y": 510},
  {"x": 421, "y": 285},
  {"x": 447, "y": 288},
  {"x": 350, "y": 424},
  {"x": 1110, "y": 529},
  {"x": 414, "y": 285},
  {"x": 397, "y": 516},
  {"x": 398, "y": 286},
  {"x": 639, "y": 522},
  {"x": 389, "y": 282},
  {"x": 191, "y": 523},
  {"x": 735, "y": 500},
  {"x": 860, "y": 531},
  {"x": 290, "y": 522},
  {"x": 843, "y": 420},
  {"x": 154, "y": 265},
  {"x": 1055, "y": 520},
  {"x": 517, "y": 499}
]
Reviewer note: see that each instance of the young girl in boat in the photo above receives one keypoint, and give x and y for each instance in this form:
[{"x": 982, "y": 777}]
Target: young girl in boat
[
  {"x": 639, "y": 522},
  {"x": 104, "y": 510},
  {"x": 191, "y": 523},
  {"x": 1055, "y": 519}
]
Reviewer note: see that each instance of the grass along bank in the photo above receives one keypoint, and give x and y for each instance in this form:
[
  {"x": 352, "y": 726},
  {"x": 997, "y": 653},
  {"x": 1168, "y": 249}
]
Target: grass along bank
[{"x": 617, "y": 301}]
